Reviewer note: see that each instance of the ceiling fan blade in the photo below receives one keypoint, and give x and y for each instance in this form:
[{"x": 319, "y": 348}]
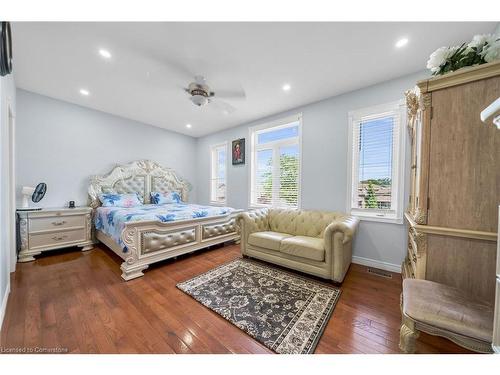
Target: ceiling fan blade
[
  {"x": 231, "y": 94},
  {"x": 222, "y": 106}
]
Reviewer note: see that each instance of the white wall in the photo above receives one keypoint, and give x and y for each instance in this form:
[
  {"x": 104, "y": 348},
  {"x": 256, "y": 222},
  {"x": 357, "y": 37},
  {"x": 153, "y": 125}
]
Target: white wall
[
  {"x": 324, "y": 165},
  {"x": 7, "y": 98},
  {"x": 63, "y": 144}
]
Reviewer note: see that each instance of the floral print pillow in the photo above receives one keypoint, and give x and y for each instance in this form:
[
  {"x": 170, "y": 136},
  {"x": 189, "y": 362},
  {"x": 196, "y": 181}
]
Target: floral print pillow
[
  {"x": 120, "y": 200},
  {"x": 165, "y": 198}
]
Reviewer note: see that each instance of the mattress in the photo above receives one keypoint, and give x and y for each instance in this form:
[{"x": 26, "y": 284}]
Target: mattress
[{"x": 112, "y": 220}]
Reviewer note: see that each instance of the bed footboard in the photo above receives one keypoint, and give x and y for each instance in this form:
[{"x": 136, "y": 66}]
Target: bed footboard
[{"x": 150, "y": 242}]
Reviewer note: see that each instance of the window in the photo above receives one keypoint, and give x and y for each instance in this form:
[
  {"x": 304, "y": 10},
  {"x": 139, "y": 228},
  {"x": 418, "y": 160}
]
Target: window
[
  {"x": 375, "y": 183},
  {"x": 218, "y": 183},
  {"x": 275, "y": 164}
]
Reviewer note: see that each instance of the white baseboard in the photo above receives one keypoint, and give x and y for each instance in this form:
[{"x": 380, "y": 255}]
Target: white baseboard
[
  {"x": 3, "y": 308},
  {"x": 377, "y": 264}
]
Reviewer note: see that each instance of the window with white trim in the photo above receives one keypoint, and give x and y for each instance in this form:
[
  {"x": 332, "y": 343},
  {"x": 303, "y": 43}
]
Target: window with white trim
[
  {"x": 275, "y": 164},
  {"x": 376, "y": 163},
  {"x": 218, "y": 183}
]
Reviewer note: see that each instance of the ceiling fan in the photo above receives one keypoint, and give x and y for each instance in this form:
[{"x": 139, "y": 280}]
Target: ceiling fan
[{"x": 201, "y": 94}]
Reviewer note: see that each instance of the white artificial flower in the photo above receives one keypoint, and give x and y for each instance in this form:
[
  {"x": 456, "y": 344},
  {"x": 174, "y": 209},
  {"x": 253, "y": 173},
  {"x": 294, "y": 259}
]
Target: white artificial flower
[
  {"x": 492, "y": 52},
  {"x": 439, "y": 58},
  {"x": 479, "y": 41}
]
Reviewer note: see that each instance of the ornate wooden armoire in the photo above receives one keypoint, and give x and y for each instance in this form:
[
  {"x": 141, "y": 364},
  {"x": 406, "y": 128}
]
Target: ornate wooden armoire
[{"x": 455, "y": 180}]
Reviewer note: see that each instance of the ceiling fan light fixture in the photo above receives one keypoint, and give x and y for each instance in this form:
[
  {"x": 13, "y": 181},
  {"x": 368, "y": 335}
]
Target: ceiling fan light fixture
[
  {"x": 200, "y": 95},
  {"x": 199, "y": 100}
]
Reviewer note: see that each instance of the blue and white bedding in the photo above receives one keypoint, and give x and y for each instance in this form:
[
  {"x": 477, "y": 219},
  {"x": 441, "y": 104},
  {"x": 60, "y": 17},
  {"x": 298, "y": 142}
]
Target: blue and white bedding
[{"x": 112, "y": 220}]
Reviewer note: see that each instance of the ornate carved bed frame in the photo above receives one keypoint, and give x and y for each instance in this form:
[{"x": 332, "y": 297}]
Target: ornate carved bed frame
[{"x": 152, "y": 241}]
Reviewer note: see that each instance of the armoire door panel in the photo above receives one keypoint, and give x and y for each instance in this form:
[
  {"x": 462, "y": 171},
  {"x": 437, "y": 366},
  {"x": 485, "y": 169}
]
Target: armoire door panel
[{"x": 464, "y": 167}]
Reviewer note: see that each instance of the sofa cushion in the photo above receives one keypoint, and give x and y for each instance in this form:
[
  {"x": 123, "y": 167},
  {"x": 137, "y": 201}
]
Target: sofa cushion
[
  {"x": 305, "y": 247},
  {"x": 267, "y": 240},
  {"x": 448, "y": 308}
]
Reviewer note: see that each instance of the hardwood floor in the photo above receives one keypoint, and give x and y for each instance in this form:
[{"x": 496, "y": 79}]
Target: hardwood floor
[{"x": 78, "y": 302}]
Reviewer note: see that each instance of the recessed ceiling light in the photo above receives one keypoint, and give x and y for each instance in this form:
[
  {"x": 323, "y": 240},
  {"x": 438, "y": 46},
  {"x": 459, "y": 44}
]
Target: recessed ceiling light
[
  {"x": 286, "y": 87},
  {"x": 84, "y": 92},
  {"x": 105, "y": 53},
  {"x": 188, "y": 126},
  {"x": 401, "y": 42}
]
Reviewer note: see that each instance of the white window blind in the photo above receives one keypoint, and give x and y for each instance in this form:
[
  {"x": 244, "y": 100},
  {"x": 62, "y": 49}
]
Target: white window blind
[
  {"x": 218, "y": 183},
  {"x": 376, "y": 169},
  {"x": 275, "y": 151}
]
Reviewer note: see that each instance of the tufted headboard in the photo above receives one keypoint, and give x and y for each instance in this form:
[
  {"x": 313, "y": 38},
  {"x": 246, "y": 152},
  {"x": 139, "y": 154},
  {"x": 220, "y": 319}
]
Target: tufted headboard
[{"x": 142, "y": 177}]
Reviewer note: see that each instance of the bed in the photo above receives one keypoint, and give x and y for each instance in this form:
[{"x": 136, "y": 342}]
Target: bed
[{"x": 151, "y": 233}]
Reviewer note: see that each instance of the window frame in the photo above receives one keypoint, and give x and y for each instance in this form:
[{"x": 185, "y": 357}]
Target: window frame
[
  {"x": 267, "y": 126},
  {"x": 213, "y": 168},
  {"x": 398, "y": 108}
]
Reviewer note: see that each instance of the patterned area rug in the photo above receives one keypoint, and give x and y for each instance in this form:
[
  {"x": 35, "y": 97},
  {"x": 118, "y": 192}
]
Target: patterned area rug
[{"x": 284, "y": 311}]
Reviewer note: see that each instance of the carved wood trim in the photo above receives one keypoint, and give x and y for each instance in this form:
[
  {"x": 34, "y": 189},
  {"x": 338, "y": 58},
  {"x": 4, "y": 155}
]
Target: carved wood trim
[
  {"x": 424, "y": 159},
  {"x": 461, "y": 340},
  {"x": 88, "y": 224},
  {"x": 461, "y": 76},
  {"x": 412, "y": 106},
  {"x": 464, "y": 233},
  {"x": 418, "y": 122},
  {"x": 23, "y": 231},
  {"x": 452, "y": 232},
  {"x": 408, "y": 336}
]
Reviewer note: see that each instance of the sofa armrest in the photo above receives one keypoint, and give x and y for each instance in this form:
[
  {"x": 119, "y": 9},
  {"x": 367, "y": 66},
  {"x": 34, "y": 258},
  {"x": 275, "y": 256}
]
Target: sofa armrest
[
  {"x": 255, "y": 221},
  {"x": 346, "y": 225},
  {"x": 338, "y": 245},
  {"x": 252, "y": 221}
]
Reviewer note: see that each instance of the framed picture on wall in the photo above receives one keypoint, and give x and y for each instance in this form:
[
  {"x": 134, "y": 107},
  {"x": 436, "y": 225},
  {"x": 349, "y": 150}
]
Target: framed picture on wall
[{"x": 238, "y": 151}]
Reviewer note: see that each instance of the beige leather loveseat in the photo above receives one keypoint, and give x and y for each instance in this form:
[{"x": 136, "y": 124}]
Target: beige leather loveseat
[{"x": 315, "y": 242}]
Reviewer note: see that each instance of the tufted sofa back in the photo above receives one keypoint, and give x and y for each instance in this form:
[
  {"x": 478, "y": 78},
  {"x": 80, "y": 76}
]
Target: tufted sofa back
[
  {"x": 314, "y": 223},
  {"x": 282, "y": 220},
  {"x": 301, "y": 222}
]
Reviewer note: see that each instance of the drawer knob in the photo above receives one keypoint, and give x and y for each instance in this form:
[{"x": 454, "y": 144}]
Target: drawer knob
[
  {"x": 58, "y": 222},
  {"x": 59, "y": 238}
]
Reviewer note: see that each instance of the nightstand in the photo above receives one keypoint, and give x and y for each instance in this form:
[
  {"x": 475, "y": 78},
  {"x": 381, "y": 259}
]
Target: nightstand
[{"x": 53, "y": 228}]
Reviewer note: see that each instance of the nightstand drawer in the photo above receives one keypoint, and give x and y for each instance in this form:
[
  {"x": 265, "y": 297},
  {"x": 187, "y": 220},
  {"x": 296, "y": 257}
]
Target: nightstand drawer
[
  {"x": 56, "y": 238},
  {"x": 37, "y": 224}
]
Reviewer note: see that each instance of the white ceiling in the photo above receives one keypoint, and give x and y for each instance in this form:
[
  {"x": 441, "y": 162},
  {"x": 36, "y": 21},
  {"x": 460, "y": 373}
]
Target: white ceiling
[{"x": 151, "y": 62}]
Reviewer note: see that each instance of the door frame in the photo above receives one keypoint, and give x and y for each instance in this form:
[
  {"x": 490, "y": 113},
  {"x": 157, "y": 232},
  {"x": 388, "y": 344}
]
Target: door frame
[{"x": 11, "y": 193}]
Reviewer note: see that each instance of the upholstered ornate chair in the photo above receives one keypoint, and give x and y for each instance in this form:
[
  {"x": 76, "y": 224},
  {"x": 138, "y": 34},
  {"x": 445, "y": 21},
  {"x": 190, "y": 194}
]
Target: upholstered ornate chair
[
  {"x": 442, "y": 310},
  {"x": 314, "y": 242}
]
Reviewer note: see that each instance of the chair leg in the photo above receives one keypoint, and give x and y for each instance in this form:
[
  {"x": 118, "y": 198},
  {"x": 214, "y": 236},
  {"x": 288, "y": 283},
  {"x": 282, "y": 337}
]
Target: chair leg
[{"x": 408, "y": 336}]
